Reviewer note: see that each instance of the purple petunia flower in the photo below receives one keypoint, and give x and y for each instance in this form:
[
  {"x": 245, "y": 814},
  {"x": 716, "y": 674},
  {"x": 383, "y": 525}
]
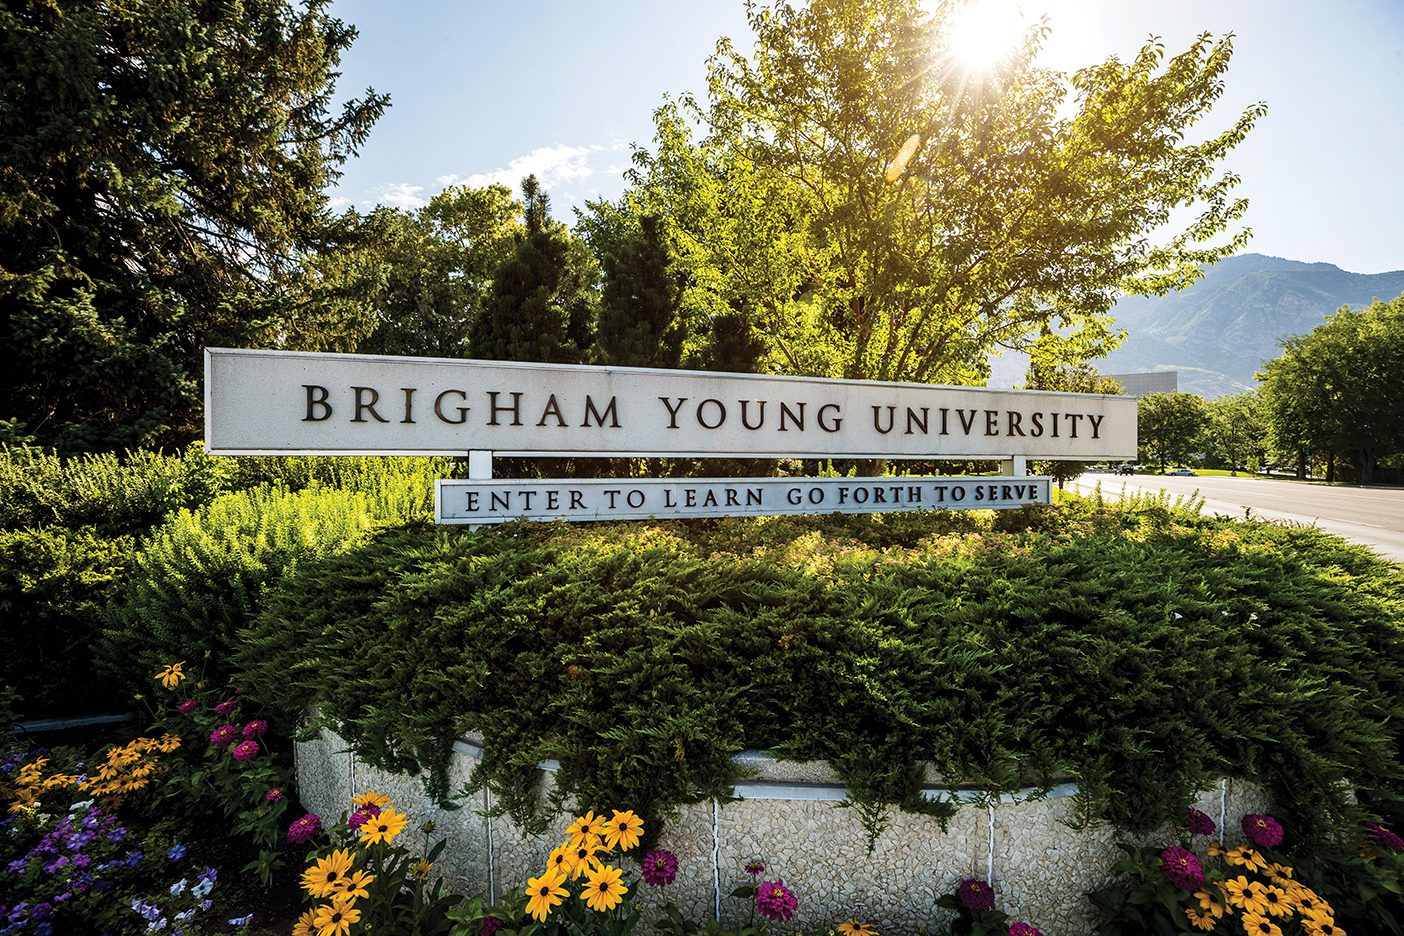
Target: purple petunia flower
[
  {"x": 775, "y": 901},
  {"x": 241, "y": 921},
  {"x": 245, "y": 751},
  {"x": 1199, "y": 822},
  {"x": 1384, "y": 837},
  {"x": 176, "y": 853},
  {"x": 660, "y": 867},
  {"x": 975, "y": 894},
  {"x": 1181, "y": 868},
  {"x": 223, "y": 736},
  {"x": 1264, "y": 831},
  {"x": 305, "y": 829},
  {"x": 491, "y": 924}
]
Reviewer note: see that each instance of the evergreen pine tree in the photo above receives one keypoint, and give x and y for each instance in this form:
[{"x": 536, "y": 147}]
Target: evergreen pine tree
[
  {"x": 543, "y": 303},
  {"x": 639, "y": 324}
]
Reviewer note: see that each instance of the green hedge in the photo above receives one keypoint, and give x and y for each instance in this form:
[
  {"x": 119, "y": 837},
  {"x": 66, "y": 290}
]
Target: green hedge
[
  {"x": 1143, "y": 652},
  {"x": 52, "y": 583}
]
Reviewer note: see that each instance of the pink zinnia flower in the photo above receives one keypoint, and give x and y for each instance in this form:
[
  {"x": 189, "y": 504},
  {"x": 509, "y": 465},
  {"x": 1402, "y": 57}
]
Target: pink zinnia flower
[
  {"x": 975, "y": 894},
  {"x": 1384, "y": 837},
  {"x": 274, "y": 795},
  {"x": 1199, "y": 823},
  {"x": 188, "y": 706},
  {"x": 1181, "y": 868},
  {"x": 660, "y": 867},
  {"x": 491, "y": 924},
  {"x": 1024, "y": 929},
  {"x": 775, "y": 901},
  {"x": 305, "y": 829},
  {"x": 362, "y": 815},
  {"x": 223, "y": 736},
  {"x": 255, "y": 729},
  {"x": 224, "y": 708},
  {"x": 1262, "y": 830},
  {"x": 245, "y": 751},
  {"x": 753, "y": 868}
]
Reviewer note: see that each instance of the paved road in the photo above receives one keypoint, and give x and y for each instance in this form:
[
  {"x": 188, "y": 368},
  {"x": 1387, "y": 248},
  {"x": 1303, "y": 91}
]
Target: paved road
[{"x": 1373, "y": 516}]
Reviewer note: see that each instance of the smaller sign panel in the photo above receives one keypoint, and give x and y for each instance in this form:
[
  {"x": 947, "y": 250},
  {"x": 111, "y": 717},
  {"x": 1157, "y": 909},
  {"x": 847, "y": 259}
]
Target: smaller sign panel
[{"x": 500, "y": 500}]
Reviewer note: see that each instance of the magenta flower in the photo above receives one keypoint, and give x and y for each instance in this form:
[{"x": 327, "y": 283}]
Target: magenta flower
[
  {"x": 1384, "y": 837},
  {"x": 188, "y": 706},
  {"x": 362, "y": 815},
  {"x": 245, "y": 751},
  {"x": 1023, "y": 929},
  {"x": 1199, "y": 823},
  {"x": 1181, "y": 868},
  {"x": 660, "y": 867},
  {"x": 223, "y": 736},
  {"x": 491, "y": 924},
  {"x": 755, "y": 868},
  {"x": 975, "y": 894},
  {"x": 255, "y": 729},
  {"x": 274, "y": 795},
  {"x": 775, "y": 901},
  {"x": 305, "y": 829},
  {"x": 1264, "y": 831},
  {"x": 225, "y": 707}
]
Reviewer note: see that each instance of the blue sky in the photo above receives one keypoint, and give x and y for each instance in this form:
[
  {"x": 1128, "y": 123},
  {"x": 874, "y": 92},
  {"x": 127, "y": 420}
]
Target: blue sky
[{"x": 489, "y": 91}]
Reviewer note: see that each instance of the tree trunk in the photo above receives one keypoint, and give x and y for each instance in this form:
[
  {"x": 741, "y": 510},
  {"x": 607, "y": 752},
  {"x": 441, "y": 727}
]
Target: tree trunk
[
  {"x": 1367, "y": 466},
  {"x": 1301, "y": 464},
  {"x": 1330, "y": 467}
]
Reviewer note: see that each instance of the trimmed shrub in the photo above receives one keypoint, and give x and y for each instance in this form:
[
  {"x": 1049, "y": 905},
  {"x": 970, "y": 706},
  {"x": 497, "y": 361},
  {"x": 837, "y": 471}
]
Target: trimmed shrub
[
  {"x": 52, "y": 583},
  {"x": 199, "y": 576},
  {"x": 1142, "y": 653}
]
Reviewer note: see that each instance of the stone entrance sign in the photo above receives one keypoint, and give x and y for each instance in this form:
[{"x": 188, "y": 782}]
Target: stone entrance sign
[
  {"x": 285, "y": 402},
  {"x": 666, "y": 498}
]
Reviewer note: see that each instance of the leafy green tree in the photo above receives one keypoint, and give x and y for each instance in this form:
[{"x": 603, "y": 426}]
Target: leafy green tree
[
  {"x": 1046, "y": 372},
  {"x": 883, "y": 213},
  {"x": 1171, "y": 426},
  {"x": 639, "y": 324},
  {"x": 1336, "y": 389},
  {"x": 1236, "y": 431},
  {"x": 162, "y": 175},
  {"x": 543, "y": 302},
  {"x": 435, "y": 268}
]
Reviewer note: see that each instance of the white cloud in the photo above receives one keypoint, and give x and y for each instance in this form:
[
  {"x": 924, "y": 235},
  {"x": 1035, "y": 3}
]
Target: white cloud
[
  {"x": 339, "y": 203},
  {"x": 403, "y": 195},
  {"x": 552, "y": 165}
]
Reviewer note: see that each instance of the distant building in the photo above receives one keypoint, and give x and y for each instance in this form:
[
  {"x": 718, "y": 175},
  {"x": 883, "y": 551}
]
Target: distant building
[{"x": 1138, "y": 385}]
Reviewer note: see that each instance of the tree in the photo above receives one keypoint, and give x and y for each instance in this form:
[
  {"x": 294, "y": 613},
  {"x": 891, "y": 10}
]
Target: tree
[
  {"x": 1046, "y": 372},
  {"x": 639, "y": 325},
  {"x": 1336, "y": 389},
  {"x": 1236, "y": 431},
  {"x": 436, "y": 266},
  {"x": 1171, "y": 426},
  {"x": 162, "y": 176},
  {"x": 543, "y": 302},
  {"x": 886, "y": 214}
]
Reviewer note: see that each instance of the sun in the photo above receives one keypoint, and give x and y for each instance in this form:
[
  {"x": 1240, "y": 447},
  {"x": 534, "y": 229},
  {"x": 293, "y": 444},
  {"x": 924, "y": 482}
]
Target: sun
[{"x": 983, "y": 33}]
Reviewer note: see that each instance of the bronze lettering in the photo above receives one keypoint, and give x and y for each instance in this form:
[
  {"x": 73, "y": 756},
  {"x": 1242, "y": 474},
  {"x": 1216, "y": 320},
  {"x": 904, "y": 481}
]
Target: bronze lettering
[
  {"x": 1096, "y": 423},
  {"x": 991, "y": 422},
  {"x": 609, "y": 411},
  {"x": 367, "y": 406},
  {"x": 913, "y": 419},
  {"x": 835, "y": 424},
  {"x": 502, "y": 501},
  {"x": 1037, "y": 420},
  {"x": 462, "y": 410},
  {"x": 673, "y": 410},
  {"x": 966, "y": 424},
  {"x": 1016, "y": 421},
  {"x": 494, "y": 408},
  {"x": 877, "y": 418},
  {"x": 409, "y": 404},
  {"x": 761, "y": 416},
  {"x": 553, "y": 409},
  {"x": 753, "y": 497},
  {"x": 314, "y": 399},
  {"x": 945, "y": 419},
  {"x": 1073, "y": 418},
  {"x": 577, "y": 500},
  {"x": 797, "y": 420},
  {"x": 721, "y": 414}
]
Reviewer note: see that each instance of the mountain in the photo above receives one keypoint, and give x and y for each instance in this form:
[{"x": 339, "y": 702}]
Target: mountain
[{"x": 1219, "y": 331}]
